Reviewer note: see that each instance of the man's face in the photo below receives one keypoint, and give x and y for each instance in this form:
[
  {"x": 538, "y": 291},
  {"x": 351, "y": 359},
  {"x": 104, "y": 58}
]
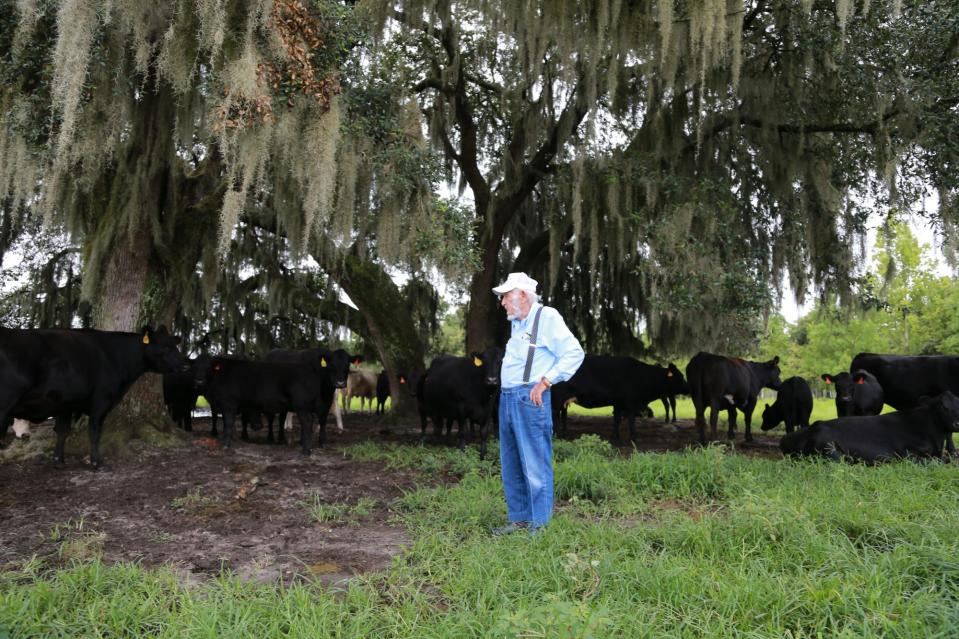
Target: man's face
[{"x": 516, "y": 304}]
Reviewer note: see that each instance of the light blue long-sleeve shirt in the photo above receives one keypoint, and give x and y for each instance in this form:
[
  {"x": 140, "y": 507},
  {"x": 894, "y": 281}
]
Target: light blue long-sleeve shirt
[{"x": 557, "y": 356}]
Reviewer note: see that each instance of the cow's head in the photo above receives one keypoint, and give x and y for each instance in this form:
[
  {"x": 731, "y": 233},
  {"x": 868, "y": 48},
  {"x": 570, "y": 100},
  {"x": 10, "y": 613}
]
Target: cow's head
[
  {"x": 770, "y": 419},
  {"x": 201, "y": 370},
  {"x": 409, "y": 382},
  {"x": 947, "y": 405},
  {"x": 337, "y": 364},
  {"x": 844, "y": 385},
  {"x": 490, "y": 362},
  {"x": 770, "y": 373},
  {"x": 675, "y": 382},
  {"x": 161, "y": 350}
]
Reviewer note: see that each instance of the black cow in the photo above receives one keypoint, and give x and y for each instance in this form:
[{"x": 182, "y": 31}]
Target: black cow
[
  {"x": 461, "y": 389},
  {"x": 915, "y": 433},
  {"x": 729, "y": 383},
  {"x": 793, "y": 405},
  {"x": 65, "y": 372},
  {"x": 624, "y": 383},
  {"x": 236, "y": 386},
  {"x": 905, "y": 379},
  {"x": 382, "y": 392},
  {"x": 857, "y": 393},
  {"x": 334, "y": 371},
  {"x": 180, "y": 394}
]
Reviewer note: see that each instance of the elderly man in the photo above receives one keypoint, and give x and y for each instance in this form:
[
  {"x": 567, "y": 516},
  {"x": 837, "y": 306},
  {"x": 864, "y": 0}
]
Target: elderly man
[{"x": 541, "y": 351}]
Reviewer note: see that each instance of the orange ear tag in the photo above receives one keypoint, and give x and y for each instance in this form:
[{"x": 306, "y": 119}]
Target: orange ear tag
[
  {"x": 323, "y": 362},
  {"x": 829, "y": 381},
  {"x": 146, "y": 339},
  {"x": 861, "y": 380},
  {"x": 477, "y": 362}
]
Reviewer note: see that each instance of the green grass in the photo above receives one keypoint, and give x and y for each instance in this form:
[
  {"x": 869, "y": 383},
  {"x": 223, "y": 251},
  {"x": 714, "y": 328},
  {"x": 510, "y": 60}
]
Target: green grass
[
  {"x": 822, "y": 408},
  {"x": 695, "y": 544}
]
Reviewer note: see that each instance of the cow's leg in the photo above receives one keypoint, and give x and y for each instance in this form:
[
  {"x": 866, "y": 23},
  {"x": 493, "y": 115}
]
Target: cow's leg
[
  {"x": 213, "y": 432},
  {"x": 95, "y": 424},
  {"x": 461, "y": 424},
  {"x": 617, "y": 415},
  {"x": 672, "y": 402},
  {"x": 306, "y": 431},
  {"x": 700, "y": 420},
  {"x": 483, "y": 430},
  {"x": 245, "y": 420},
  {"x": 665, "y": 401},
  {"x": 281, "y": 428},
  {"x": 269, "y": 427},
  {"x": 950, "y": 445},
  {"x": 631, "y": 420},
  {"x": 62, "y": 429},
  {"x": 748, "y": 418},
  {"x": 564, "y": 414},
  {"x": 229, "y": 419},
  {"x": 714, "y": 409},
  {"x": 188, "y": 421},
  {"x": 731, "y": 433}
]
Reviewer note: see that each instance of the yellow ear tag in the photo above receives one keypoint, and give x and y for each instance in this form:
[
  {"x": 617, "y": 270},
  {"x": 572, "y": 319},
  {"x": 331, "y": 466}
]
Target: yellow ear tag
[
  {"x": 477, "y": 362},
  {"x": 323, "y": 362},
  {"x": 146, "y": 339}
]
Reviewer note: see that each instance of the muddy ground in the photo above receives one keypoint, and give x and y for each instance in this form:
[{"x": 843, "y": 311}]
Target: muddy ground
[{"x": 202, "y": 510}]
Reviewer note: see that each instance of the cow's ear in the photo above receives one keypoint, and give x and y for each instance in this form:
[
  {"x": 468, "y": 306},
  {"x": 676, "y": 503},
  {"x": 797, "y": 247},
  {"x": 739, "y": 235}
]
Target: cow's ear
[
  {"x": 776, "y": 360},
  {"x": 826, "y": 377}
]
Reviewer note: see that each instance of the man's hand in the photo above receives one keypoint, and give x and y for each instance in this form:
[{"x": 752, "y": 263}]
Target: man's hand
[{"x": 536, "y": 395}]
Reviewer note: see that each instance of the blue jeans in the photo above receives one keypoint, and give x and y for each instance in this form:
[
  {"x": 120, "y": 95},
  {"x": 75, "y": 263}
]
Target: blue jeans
[{"x": 526, "y": 455}]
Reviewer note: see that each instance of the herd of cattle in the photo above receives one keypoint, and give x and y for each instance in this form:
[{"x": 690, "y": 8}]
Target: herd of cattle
[{"x": 65, "y": 374}]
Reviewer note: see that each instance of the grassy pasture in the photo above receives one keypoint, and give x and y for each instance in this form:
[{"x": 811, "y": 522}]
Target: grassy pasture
[
  {"x": 822, "y": 408},
  {"x": 701, "y": 543}
]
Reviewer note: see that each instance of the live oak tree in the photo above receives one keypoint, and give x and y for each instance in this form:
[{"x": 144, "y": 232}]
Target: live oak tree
[{"x": 665, "y": 165}]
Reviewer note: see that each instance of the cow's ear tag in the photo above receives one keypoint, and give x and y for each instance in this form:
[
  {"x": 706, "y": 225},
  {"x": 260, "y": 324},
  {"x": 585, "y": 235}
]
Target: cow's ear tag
[
  {"x": 477, "y": 362},
  {"x": 216, "y": 367},
  {"x": 323, "y": 362},
  {"x": 828, "y": 381},
  {"x": 861, "y": 380},
  {"x": 402, "y": 380},
  {"x": 669, "y": 373},
  {"x": 146, "y": 338}
]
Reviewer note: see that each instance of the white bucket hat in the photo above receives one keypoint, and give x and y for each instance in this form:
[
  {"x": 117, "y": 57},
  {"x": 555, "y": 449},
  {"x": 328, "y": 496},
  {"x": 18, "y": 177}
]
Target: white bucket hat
[{"x": 520, "y": 281}]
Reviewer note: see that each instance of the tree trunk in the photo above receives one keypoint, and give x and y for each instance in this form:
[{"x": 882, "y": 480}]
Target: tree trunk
[
  {"x": 481, "y": 316},
  {"x": 391, "y": 330},
  {"x": 141, "y": 179},
  {"x": 120, "y": 308}
]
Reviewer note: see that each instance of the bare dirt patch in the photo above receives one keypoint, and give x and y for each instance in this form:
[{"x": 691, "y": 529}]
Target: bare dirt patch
[{"x": 250, "y": 510}]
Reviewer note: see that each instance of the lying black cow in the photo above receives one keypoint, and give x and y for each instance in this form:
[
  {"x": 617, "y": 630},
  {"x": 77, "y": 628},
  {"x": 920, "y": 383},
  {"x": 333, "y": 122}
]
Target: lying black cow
[
  {"x": 858, "y": 393},
  {"x": 333, "y": 373},
  {"x": 180, "y": 394},
  {"x": 235, "y": 386},
  {"x": 62, "y": 372},
  {"x": 793, "y": 405},
  {"x": 719, "y": 383},
  {"x": 624, "y": 383},
  {"x": 916, "y": 433},
  {"x": 907, "y": 378},
  {"x": 382, "y": 392},
  {"x": 461, "y": 389}
]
